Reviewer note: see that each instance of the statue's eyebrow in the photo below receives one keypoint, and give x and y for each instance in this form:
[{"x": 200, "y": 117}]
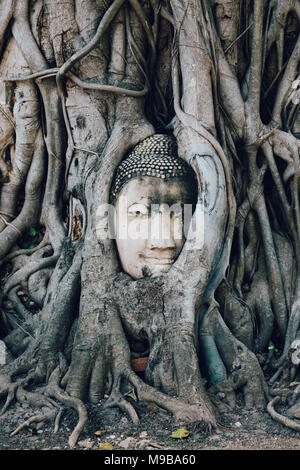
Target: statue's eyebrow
[
  {"x": 146, "y": 201},
  {"x": 139, "y": 204}
]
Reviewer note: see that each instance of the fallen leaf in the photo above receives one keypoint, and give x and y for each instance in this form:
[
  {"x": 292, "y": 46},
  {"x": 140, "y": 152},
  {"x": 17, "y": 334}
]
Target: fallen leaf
[
  {"x": 293, "y": 384},
  {"x": 296, "y": 415},
  {"x": 99, "y": 433},
  {"x": 106, "y": 446},
  {"x": 180, "y": 433}
]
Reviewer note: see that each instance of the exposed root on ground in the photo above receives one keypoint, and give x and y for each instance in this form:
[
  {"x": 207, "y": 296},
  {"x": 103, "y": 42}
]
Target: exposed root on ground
[
  {"x": 53, "y": 400},
  {"x": 49, "y": 400},
  {"x": 280, "y": 418},
  {"x": 184, "y": 413},
  {"x": 53, "y": 390}
]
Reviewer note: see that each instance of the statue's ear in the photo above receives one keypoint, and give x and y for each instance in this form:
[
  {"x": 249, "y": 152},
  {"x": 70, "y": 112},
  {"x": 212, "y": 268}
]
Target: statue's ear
[
  {"x": 211, "y": 182},
  {"x": 211, "y": 212},
  {"x": 201, "y": 252}
]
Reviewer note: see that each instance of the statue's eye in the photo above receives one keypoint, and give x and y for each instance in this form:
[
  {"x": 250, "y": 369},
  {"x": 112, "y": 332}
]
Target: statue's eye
[{"x": 138, "y": 210}]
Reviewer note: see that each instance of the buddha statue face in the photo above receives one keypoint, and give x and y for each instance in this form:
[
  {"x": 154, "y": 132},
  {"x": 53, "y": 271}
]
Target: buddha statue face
[{"x": 154, "y": 194}]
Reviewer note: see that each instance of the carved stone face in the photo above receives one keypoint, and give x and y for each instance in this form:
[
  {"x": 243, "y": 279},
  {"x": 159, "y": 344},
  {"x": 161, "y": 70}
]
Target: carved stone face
[{"x": 149, "y": 228}]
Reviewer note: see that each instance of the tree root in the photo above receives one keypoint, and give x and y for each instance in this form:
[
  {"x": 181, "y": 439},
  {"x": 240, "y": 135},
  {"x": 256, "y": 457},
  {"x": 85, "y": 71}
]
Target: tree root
[
  {"x": 296, "y": 393},
  {"x": 17, "y": 304},
  {"x": 27, "y": 270},
  {"x": 39, "y": 419},
  {"x": 53, "y": 390},
  {"x": 51, "y": 409},
  {"x": 26, "y": 251},
  {"x": 184, "y": 413},
  {"x": 16, "y": 391},
  {"x": 276, "y": 375},
  {"x": 117, "y": 399},
  {"x": 240, "y": 363},
  {"x": 70, "y": 402},
  {"x": 10, "y": 397},
  {"x": 280, "y": 418}
]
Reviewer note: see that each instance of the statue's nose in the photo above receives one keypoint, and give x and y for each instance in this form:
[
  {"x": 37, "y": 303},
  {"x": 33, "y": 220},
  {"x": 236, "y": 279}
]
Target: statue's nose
[{"x": 161, "y": 231}]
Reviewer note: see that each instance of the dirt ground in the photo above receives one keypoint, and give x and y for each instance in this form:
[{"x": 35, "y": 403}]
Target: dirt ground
[{"x": 240, "y": 430}]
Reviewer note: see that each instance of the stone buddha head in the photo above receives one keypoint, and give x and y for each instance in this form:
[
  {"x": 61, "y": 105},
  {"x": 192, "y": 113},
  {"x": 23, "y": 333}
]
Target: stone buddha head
[{"x": 154, "y": 193}]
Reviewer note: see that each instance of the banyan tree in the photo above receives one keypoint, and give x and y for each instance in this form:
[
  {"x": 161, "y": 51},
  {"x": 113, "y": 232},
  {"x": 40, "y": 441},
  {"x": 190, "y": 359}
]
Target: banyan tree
[{"x": 191, "y": 103}]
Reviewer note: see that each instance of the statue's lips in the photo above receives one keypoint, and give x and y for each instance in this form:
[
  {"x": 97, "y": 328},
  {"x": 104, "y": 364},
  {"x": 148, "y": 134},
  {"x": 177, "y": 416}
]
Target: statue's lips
[{"x": 161, "y": 261}]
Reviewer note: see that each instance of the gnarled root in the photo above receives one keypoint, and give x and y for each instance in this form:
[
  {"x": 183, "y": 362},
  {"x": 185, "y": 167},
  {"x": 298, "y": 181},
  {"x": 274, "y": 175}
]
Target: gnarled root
[
  {"x": 16, "y": 391},
  {"x": 37, "y": 419},
  {"x": 53, "y": 390},
  {"x": 51, "y": 410},
  {"x": 184, "y": 413},
  {"x": 280, "y": 418},
  {"x": 242, "y": 368},
  {"x": 116, "y": 398}
]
